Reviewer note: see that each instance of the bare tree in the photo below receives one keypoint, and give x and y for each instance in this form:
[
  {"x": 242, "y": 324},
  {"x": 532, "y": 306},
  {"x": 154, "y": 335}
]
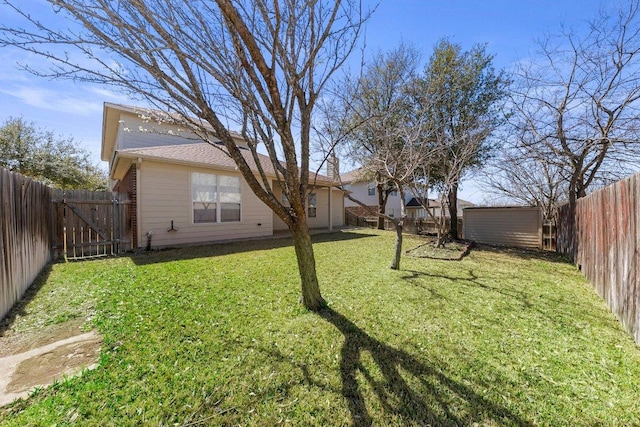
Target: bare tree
[
  {"x": 380, "y": 132},
  {"x": 397, "y": 156},
  {"x": 519, "y": 176},
  {"x": 421, "y": 186},
  {"x": 577, "y": 102},
  {"x": 258, "y": 65},
  {"x": 441, "y": 171}
]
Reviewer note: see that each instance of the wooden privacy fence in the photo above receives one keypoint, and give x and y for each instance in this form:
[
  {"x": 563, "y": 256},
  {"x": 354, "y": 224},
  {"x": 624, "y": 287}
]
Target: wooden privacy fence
[
  {"x": 25, "y": 244},
  {"x": 549, "y": 236},
  {"x": 39, "y": 223},
  {"x": 410, "y": 225},
  {"x": 602, "y": 237},
  {"x": 90, "y": 224}
]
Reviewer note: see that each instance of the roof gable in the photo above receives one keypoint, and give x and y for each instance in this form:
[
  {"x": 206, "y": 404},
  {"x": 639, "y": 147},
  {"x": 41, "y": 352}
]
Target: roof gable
[
  {"x": 133, "y": 120},
  {"x": 210, "y": 154}
]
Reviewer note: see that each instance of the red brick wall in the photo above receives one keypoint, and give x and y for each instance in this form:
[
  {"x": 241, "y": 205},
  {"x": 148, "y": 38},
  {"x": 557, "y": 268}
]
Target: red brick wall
[{"x": 128, "y": 185}]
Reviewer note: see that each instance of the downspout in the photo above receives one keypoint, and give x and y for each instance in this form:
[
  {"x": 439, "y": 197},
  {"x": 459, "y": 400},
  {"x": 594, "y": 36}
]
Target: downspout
[
  {"x": 330, "y": 208},
  {"x": 138, "y": 202}
]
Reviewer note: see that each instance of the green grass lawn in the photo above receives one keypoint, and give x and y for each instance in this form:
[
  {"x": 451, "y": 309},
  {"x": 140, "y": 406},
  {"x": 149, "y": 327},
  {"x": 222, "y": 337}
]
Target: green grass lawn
[{"x": 216, "y": 336}]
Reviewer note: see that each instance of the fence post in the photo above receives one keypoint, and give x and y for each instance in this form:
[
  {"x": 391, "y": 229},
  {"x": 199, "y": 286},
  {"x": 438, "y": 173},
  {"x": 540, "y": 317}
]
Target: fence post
[
  {"x": 64, "y": 229},
  {"x": 115, "y": 243}
]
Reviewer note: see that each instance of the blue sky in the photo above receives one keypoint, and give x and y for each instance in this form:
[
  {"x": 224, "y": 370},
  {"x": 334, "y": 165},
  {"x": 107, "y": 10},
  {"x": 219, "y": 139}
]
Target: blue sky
[{"x": 508, "y": 27}]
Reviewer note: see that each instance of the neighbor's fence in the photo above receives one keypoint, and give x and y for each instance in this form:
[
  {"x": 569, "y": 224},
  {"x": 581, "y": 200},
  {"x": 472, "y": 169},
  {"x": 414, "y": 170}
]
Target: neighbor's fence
[
  {"x": 25, "y": 243},
  {"x": 411, "y": 225},
  {"x": 549, "y": 233},
  {"x": 603, "y": 239}
]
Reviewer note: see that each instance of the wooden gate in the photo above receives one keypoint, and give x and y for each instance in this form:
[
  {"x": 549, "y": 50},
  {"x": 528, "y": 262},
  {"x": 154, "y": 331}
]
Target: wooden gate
[{"x": 90, "y": 224}]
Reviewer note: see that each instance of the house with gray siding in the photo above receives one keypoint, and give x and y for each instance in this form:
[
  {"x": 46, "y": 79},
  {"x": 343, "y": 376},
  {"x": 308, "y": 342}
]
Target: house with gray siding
[{"x": 364, "y": 189}]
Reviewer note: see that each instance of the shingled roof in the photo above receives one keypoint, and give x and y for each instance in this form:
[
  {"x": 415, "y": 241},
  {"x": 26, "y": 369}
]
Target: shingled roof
[
  {"x": 356, "y": 175},
  {"x": 207, "y": 155}
]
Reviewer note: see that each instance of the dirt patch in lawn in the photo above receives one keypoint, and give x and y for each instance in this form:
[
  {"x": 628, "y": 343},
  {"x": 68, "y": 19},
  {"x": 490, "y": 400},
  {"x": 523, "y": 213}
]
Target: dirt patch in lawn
[
  {"x": 451, "y": 251},
  {"x": 36, "y": 358},
  {"x": 12, "y": 342}
]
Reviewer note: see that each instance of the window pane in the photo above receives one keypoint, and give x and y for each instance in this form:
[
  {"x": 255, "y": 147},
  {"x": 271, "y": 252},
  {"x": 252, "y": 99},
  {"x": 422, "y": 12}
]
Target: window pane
[
  {"x": 229, "y": 187},
  {"x": 311, "y": 205},
  {"x": 230, "y": 197},
  {"x": 229, "y": 212},
  {"x": 203, "y": 187},
  {"x": 203, "y": 194},
  {"x": 215, "y": 198},
  {"x": 204, "y": 212}
]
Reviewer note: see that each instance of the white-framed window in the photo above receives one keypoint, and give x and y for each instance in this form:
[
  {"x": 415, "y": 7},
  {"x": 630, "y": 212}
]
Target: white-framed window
[
  {"x": 230, "y": 198},
  {"x": 285, "y": 200},
  {"x": 371, "y": 189},
  {"x": 215, "y": 198},
  {"x": 311, "y": 205}
]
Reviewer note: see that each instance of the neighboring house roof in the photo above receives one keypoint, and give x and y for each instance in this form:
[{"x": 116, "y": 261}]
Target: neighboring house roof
[
  {"x": 415, "y": 203},
  {"x": 356, "y": 175},
  {"x": 465, "y": 203}
]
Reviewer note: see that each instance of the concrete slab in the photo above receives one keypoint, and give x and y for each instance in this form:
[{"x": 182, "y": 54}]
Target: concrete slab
[{"x": 21, "y": 373}]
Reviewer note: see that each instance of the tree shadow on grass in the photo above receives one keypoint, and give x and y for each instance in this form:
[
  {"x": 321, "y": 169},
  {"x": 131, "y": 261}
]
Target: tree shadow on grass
[
  {"x": 420, "y": 278},
  {"x": 452, "y": 251},
  {"x": 553, "y": 309},
  {"x": 409, "y": 390},
  {"x": 526, "y": 254},
  {"x": 19, "y": 308},
  {"x": 205, "y": 250}
]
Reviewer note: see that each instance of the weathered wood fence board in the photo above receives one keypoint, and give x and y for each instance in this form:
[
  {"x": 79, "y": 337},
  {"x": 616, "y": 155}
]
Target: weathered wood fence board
[
  {"x": 25, "y": 244},
  {"x": 603, "y": 239},
  {"x": 91, "y": 224},
  {"x": 38, "y": 223},
  {"x": 411, "y": 225}
]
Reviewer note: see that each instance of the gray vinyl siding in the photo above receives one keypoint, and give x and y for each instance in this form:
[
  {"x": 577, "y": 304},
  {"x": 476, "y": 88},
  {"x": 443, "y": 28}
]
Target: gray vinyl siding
[
  {"x": 134, "y": 132},
  {"x": 516, "y": 227},
  {"x": 360, "y": 192}
]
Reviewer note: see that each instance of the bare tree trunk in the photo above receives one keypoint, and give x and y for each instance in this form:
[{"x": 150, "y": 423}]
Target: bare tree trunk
[
  {"x": 573, "y": 185},
  {"x": 311, "y": 297},
  {"x": 380, "y": 217},
  {"x": 383, "y": 196},
  {"x": 399, "y": 223},
  {"x": 398, "y": 249},
  {"x": 440, "y": 233},
  {"x": 453, "y": 211}
]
